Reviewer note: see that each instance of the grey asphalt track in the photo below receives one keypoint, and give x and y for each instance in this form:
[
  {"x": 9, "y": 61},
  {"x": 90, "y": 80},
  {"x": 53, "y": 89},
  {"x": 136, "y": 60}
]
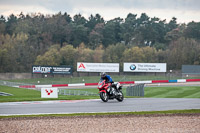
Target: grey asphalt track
[{"x": 96, "y": 105}]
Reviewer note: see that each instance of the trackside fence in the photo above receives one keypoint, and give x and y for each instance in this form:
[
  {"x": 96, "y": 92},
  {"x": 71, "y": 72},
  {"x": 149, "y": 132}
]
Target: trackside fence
[{"x": 135, "y": 90}]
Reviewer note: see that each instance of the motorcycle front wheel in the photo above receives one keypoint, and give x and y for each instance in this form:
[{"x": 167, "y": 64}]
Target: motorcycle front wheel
[{"x": 104, "y": 96}]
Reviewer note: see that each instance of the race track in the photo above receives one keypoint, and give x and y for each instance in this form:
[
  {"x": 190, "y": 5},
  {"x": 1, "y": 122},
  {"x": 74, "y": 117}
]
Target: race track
[{"x": 96, "y": 106}]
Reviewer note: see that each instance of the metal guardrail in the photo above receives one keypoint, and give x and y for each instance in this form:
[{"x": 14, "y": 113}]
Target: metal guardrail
[{"x": 135, "y": 90}]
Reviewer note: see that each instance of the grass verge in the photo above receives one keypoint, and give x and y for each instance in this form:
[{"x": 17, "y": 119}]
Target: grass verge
[
  {"x": 173, "y": 92},
  {"x": 92, "y": 79},
  {"x": 20, "y": 94},
  {"x": 143, "y": 113}
]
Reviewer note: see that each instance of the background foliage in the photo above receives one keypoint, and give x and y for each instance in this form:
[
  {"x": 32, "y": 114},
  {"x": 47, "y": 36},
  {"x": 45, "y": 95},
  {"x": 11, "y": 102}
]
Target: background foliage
[{"x": 35, "y": 39}]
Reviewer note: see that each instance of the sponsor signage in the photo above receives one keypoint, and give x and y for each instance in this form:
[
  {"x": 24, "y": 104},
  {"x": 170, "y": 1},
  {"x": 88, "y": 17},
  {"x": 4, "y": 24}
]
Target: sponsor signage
[
  {"x": 145, "y": 67},
  {"x": 97, "y": 67},
  {"x": 52, "y": 69},
  {"x": 190, "y": 69},
  {"x": 49, "y": 92}
]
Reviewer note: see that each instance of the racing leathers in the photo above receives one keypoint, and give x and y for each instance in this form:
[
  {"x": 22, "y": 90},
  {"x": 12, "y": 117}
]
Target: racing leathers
[{"x": 107, "y": 78}]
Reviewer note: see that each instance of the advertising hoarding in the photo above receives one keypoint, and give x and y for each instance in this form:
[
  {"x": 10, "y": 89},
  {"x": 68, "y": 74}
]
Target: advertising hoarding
[
  {"x": 49, "y": 92},
  {"x": 145, "y": 67},
  {"x": 190, "y": 69},
  {"x": 97, "y": 67},
  {"x": 51, "y": 70}
]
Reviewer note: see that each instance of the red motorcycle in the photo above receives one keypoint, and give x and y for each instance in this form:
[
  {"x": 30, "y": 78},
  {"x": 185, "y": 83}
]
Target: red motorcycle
[{"x": 110, "y": 91}]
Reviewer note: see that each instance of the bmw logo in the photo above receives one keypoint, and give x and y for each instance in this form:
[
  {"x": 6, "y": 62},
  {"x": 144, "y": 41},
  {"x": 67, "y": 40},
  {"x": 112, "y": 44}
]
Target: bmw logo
[{"x": 133, "y": 67}]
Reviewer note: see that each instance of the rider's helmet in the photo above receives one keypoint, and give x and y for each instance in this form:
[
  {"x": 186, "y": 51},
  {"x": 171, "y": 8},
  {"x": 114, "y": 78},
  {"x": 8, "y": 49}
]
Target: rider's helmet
[{"x": 103, "y": 74}]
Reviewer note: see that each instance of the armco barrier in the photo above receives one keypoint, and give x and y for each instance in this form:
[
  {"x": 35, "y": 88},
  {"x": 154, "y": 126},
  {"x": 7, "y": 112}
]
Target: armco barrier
[
  {"x": 160, "y": 81},
  {"x": 60, "y": 85},
  {"x": 90, "y": 84},
  {"x": 124, "y": 82},
  {"x": 192, "y": 80},
  {"x": 135, "y": 90},
  {"x": 173, "y": 81}
]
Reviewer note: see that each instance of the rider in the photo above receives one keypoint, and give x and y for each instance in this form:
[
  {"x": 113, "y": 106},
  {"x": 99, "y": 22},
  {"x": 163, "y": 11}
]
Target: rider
[{"x": 106, "y": 77}]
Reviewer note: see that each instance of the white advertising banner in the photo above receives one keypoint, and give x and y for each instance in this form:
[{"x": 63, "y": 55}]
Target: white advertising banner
[
  {"x": 145, "y": 67},
  {"x": 97, "y": 67},
  {"x": 49, "y": 92}
]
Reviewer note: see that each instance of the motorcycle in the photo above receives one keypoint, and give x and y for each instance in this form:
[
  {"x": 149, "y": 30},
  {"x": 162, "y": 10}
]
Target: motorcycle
[{"x": 110, "y": 91}]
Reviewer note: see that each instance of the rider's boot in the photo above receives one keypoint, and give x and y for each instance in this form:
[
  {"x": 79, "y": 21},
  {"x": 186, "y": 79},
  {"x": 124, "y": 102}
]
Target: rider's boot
[
  {"x": 111, "y": 91},
  {"x": 117, "y": 92}
]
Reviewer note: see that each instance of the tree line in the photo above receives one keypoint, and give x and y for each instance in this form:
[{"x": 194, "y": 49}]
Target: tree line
[{"x": 59, "y": 39}]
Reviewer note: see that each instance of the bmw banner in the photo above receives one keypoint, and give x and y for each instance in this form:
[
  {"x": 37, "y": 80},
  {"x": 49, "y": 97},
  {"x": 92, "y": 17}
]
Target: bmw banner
[{"x": 145, "y": 67}]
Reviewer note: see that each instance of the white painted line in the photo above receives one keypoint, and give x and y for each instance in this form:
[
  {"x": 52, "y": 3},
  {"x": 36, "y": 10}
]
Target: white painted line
[
  {"x": 48, "y": 113},
  {"x": 143, "y": 82},
  {"x": 47, "y": 102}
]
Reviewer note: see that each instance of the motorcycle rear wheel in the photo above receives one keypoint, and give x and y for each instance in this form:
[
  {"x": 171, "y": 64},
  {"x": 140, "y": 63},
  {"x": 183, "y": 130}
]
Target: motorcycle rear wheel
[
  {"x": 104, "y": 96},
  {"x": 121, "y": 97}
]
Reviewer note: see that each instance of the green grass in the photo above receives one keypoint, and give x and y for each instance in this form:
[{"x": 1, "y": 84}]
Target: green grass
[
  {"x": 169, "y": 112},
  {"x": 20, "y": 94},
  {"x": 90, "y": 79},
  {"x": 173, "y": 92}
]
